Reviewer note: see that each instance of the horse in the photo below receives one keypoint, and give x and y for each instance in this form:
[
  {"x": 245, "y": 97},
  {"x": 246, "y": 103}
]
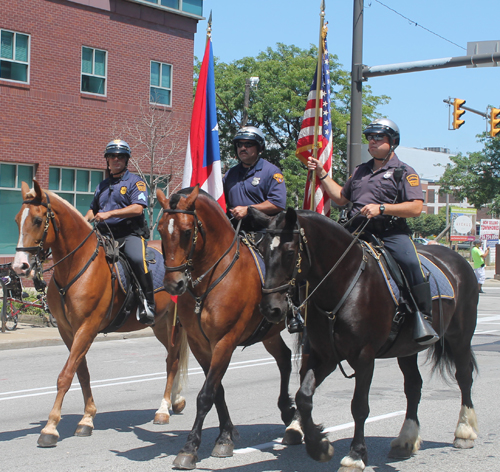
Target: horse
[
  {"x": 219, "y": 290},
  {"x": 85, "y": 299},
  {"x": 350, "y": 316}
]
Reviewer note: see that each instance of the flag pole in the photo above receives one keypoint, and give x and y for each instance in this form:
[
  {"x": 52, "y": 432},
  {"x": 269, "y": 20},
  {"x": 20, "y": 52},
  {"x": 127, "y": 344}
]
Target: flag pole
[
  {"x": 209, "y": 28},
  {"x": 312, "y": 186}
]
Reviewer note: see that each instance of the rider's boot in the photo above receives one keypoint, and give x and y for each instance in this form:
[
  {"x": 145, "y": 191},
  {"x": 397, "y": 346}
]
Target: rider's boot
[
  {"x": 146, "y": 310},
  {"x": 423, "y": 332},
  {"x": 295, "y": 322}
]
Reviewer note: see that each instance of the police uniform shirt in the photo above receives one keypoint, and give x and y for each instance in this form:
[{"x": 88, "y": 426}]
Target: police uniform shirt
[
  {"x": 249, "y": 186},
  {"x": 366, "y": 186},
  {"x": 113, "y": 194}
]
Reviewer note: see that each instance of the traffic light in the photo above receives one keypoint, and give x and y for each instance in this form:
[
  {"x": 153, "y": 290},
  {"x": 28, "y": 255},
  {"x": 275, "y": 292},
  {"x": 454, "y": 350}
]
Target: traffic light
[
  {"x": 494, "y": 121},
  {"x": 457, "y": 113}
]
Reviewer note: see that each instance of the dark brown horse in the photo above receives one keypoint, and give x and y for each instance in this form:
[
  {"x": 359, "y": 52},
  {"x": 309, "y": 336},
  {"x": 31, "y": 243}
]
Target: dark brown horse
[
  {"x": 203, "y": 256},
  {"x": 351, "y": 320},
  {"x": 46, "y": 221}
]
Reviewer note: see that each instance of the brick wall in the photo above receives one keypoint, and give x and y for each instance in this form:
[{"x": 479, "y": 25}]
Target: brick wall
[{"x": 49, "y": 122}]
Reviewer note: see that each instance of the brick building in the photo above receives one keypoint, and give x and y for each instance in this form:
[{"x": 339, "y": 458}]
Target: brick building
[{"x": 70, "y": 71}]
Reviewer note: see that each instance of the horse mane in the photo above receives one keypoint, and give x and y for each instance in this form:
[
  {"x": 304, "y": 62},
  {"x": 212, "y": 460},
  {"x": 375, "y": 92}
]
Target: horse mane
[
  {"x": 69, "y": 206},
  {"x": 321, "y": 220},
  {"x": 183, "y": 193}
]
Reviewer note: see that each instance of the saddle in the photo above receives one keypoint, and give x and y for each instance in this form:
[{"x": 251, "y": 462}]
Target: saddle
[{"x": 127, "y": 281}]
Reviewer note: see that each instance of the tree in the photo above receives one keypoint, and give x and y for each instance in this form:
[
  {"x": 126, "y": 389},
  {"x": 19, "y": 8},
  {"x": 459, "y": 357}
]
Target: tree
[
  {"x": 277, "y": 106},
  {"x": 475, "y": 176},
  {"x": 154, "y": 139}
]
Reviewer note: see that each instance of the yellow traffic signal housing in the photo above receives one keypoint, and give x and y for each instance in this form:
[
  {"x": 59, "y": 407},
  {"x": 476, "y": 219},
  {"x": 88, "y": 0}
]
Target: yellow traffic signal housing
[
  {"x": 457, "y": 113},
  {"x": 494, "y": 120}
]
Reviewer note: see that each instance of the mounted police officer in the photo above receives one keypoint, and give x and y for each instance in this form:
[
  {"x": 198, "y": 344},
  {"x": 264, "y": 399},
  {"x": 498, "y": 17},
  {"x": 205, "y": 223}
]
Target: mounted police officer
[
  {"x": 254, "y": 182},
  {"x": 387, "y": 191},
  {"x": 118, "y": 208}
]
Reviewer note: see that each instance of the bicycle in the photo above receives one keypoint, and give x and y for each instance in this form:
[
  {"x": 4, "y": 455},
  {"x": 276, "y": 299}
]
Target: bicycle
[{"x": 16, "y": 300}]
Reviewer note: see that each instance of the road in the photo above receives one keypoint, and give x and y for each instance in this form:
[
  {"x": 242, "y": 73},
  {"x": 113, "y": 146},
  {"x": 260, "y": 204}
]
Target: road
[{"x": 128, "y": 380}]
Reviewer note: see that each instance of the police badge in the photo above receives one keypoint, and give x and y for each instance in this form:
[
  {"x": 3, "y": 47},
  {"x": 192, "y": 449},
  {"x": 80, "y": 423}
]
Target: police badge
[{"x": 256, "y": 181}]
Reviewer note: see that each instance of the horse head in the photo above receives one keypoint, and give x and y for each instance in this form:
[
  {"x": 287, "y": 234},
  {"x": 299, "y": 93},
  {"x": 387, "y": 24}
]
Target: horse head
[
  {"x": 281, "y": 249},
  {"x": 36, "y": 233},
  {"x": 179, "y": 230}
]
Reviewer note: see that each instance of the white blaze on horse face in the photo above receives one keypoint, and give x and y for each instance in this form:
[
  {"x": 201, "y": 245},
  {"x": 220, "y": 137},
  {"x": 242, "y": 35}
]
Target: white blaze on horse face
[
  {"x": 275, "y": 242},
  {"x": 21, "y": 256},
  {"x": 171, "y": 226}
]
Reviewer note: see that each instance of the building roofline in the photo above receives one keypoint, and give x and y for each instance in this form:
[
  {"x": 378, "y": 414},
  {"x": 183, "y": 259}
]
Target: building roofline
[{"x": 170, "y": 10}]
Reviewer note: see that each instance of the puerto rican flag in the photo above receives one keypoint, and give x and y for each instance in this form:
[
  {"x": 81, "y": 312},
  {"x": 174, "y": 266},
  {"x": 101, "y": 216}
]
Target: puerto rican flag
[
  {"x": 305, "y": 143},
  {"x": 203, "y": 165}
]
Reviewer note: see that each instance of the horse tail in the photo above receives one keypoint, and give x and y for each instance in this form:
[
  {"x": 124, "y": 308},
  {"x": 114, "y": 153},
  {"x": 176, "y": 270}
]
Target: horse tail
[
  {"x": 183, "y": 358},
  {"x": 444, "y": 362}
]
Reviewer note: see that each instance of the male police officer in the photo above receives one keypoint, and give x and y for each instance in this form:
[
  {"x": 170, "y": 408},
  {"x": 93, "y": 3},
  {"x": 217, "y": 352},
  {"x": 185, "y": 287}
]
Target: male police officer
[
  {"x": 387, "y": 191},
  {"x": 254, "y": 182},
  {"x": 117, "y": 207}
]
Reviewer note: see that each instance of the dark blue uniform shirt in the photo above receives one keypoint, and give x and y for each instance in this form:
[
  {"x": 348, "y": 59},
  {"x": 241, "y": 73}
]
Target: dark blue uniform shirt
[
  {"x": 249, "y": 186},
  {"x": 113, "y": 194}
]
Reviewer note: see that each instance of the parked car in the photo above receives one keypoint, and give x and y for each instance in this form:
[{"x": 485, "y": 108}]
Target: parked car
[
  {"x": 421, "y": 241},
  {"x": 464, "y": 245}
]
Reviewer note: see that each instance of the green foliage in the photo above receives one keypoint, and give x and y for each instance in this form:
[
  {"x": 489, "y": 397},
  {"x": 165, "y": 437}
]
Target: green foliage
[
  {"x": 427, "y": 225},
  {"x": 277, "y": 105},
  {"x": 475, "y": 176}
]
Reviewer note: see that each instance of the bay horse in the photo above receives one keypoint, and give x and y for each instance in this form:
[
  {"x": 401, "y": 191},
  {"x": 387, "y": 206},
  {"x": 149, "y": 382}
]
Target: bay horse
[
  {"x": 82, "y": 309},
  {"x": 350, "y": 315},
  {"x": 219, "y": 291}
]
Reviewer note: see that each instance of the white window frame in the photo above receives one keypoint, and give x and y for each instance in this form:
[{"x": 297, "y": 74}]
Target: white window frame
[
  {"x": 93, "y": 74},
  {"x": 27, "y": 63},
  {"x": 159, "y": 86}
]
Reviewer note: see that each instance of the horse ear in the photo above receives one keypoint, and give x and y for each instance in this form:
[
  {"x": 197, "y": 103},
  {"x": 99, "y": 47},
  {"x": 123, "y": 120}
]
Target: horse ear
[
  {"x": 162, "y": 198},
  {"x": 38, "y": 190},
  {"x": 24, "y": 190},
  {"x": 290, "y": 218},
  {"x": 193, "y": 196},
  {"x": 257, "y": 219}
]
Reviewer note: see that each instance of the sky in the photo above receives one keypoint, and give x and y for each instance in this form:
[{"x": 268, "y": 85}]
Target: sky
[{"x": 241, "y": 28}]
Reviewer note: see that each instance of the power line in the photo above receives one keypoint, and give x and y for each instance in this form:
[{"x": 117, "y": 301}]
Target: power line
[{"x": 416, "y": 24}]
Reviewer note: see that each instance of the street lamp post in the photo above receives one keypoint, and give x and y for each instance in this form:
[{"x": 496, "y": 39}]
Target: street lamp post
[{"x": 249, "y": 84}]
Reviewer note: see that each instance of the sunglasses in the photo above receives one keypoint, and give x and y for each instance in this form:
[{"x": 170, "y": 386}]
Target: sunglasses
[
  {"x": 119, "y": 156},
  {"x": 375, "y": 137},
  {"x": 244, "y": 144}
]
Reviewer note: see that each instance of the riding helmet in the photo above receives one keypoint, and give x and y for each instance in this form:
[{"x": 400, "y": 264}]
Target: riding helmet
[
  {"x": 251, "y": 133},
  {"x": 118, "y": 146},
  {"x": 387, "y": 127}
]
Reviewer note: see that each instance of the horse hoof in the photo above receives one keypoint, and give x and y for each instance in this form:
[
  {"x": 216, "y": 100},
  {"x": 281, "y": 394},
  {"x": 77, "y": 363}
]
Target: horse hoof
[
  {"x": 161, "y": 418},
  {"x": 83, "y": 431},
  {"x": 179, "y": 406},
  {"x": 223, "y": 450},
  {"x": 292, "y": 437},
  {"x": 185, "y": 461},
  {"x": 399, "y": 453},
  {"x": 47, "y": 440},
  {"x": 323, "y": 452},
  {"x": 463, "y": 443}
]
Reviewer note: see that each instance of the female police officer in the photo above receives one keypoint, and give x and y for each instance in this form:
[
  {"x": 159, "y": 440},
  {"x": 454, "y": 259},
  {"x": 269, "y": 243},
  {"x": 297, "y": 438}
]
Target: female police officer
[
  {"x": 117, "y": 207},
  {"x": 375, "y": 192}
]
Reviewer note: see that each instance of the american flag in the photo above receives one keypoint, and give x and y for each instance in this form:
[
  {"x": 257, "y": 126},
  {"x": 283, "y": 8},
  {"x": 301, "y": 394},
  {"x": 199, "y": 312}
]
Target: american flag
[{"x": 305, "y": 143}]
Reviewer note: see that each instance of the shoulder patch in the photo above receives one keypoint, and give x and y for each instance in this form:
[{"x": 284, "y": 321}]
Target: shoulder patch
[
  {"x": 279, "y": 178},
  {"x": 413, "y": 180},
  {"x": 141, "y": 186},
  {"x": 123, "y": 190}
]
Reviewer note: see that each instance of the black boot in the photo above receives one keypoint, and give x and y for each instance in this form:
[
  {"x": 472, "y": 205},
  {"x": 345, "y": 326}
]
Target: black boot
[
  {"x": 295, "y": 323},
  {"x": 146, "y": 309},
  {"x": 423, "y": 332}
]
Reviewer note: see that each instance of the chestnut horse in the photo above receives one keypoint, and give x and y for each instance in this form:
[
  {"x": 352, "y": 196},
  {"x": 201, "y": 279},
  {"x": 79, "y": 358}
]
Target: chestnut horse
[
  {"x": 46, "y": 221},
  {"x": 350, "y": 315},
  {"x": 203, "y": 256}
]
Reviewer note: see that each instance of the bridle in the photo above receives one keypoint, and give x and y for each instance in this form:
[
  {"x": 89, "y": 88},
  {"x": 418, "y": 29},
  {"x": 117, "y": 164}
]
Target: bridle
[{"x": 188, "y": 266}]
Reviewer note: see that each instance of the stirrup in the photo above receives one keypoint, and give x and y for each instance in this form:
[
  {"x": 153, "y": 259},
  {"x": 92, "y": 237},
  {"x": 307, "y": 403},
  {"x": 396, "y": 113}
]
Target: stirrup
[
  {"x": 145, "y": 315},
  {"x": 295, "y": 325},
  {"x": 423, "y": 332}
]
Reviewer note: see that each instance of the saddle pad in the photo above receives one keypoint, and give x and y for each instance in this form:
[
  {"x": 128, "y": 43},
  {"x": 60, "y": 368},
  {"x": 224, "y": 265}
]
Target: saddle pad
[
  {"x": 259, "y": 262},
  {"x": 156, "y": 268},
  {"x": 440, "y": 285}
]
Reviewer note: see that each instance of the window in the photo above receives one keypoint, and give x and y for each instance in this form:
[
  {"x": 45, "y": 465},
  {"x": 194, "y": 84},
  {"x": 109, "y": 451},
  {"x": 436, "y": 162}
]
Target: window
[
  {"x": 94, "y": 71},
  {"x": 194, "y": 7},
  {"x": 14, "y": 56},
  {"x": 76, "y": 186},
  {"x": 160, "y": 90},
  {"x": 11, "y": 177}
]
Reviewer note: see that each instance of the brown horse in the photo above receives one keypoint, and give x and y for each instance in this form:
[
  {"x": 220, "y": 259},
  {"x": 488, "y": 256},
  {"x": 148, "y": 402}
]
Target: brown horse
[
  {"x": 350, "y": 317},
  {"x": 203, "y": 257},
  {"x": 82, "y": 307}
]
